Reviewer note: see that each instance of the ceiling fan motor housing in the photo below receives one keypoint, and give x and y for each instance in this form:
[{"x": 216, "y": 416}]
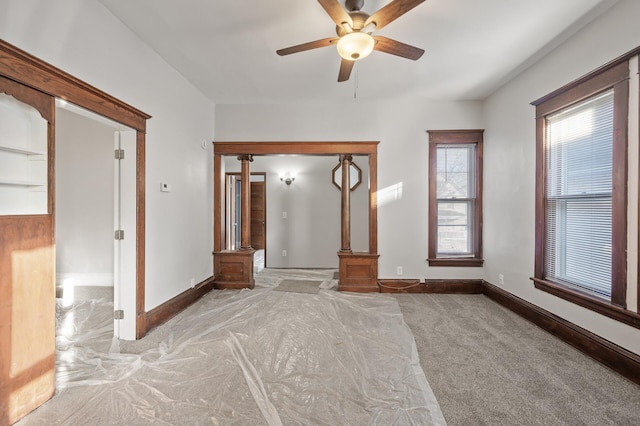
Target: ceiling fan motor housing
[
  {"x": 353, "y": 5},
  {"x": 358, "y": 18}
]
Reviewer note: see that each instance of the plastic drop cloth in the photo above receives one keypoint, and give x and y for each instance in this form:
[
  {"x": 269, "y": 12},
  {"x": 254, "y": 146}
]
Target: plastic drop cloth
[{"x": 245, "y": 357}]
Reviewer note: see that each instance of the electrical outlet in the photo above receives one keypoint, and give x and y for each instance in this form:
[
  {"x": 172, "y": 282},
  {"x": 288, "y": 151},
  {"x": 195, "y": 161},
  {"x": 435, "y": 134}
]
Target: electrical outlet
[
  {"x": 284, "y": 215},
  {"x": 398, "y": 270},
  {"x": 284, "y": 253},
  {"x": 500, "y": 279}
]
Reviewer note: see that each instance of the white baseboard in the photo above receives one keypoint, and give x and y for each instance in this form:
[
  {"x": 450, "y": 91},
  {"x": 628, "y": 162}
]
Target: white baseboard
[{"x": 87, "y": 280}]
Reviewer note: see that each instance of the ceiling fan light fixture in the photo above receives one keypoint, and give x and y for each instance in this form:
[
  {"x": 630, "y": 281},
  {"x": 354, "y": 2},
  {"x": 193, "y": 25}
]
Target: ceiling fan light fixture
[{"x": 355, "y": 45}]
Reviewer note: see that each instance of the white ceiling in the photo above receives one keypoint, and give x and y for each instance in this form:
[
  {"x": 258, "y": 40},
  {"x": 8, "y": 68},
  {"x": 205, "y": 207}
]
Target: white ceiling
[{"x": 226, "y": 48}]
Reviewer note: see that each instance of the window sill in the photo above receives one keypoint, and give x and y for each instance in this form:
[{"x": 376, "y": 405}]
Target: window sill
[
  {"x": 456, "y": 261},
  {"x": 589, "y": 302}
]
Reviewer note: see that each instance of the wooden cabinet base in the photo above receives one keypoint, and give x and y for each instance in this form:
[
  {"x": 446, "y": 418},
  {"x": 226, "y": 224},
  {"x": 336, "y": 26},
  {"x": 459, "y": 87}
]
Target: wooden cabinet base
[
  {"x": 358, "y": 272},
  {"x": 233, "y": 269}
]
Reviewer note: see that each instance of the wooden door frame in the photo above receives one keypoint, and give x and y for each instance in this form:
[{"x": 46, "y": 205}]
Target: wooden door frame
[
  {"x": 24, "y": 68},
  {"x": 221, "y": 149},
  {"x": 226, "y": 189}
]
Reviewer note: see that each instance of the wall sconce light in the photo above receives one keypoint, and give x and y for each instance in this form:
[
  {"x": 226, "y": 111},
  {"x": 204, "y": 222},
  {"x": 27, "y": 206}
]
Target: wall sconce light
[{"x": 287, "y": 178}]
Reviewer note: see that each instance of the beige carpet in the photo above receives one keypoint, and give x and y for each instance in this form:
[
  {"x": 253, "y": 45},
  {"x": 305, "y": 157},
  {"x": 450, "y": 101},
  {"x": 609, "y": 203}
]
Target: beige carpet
[
  {"x": 299, "y": 286},
  {"x": 488, "y": 366}
]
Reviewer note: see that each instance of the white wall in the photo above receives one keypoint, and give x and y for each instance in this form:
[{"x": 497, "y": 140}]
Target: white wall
[
  {"x": 400, "y": 126},
  {"x": 509, "y": 161},
  {"x": 84, "y": 199},
  {"x": 82, "y": 38},
  {"x": 311, "y": 232}
]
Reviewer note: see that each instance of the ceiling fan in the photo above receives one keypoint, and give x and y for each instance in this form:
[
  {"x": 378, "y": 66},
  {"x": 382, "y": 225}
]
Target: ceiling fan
[{"x": 354, "y": 29}]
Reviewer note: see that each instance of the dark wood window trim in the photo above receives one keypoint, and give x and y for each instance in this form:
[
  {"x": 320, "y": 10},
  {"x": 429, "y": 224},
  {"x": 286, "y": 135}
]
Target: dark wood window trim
[
  {"x": 614, "y": 75},
  {"x": 590, "y": 302},
  {"x": 450, "y": 137}
]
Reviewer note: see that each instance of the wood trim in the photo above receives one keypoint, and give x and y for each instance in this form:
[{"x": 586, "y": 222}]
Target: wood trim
[
  {"x": 464, "y": 136},
  {"x": 540, "y": 201},
  {"x": 172, "y": 307},
  {"x": 308, "y": 148},
  {"x": 17, "y": 65},
  {"x": 613, "y": 356},
  {"x": 477, "y": 232},
  {"x": 373, "y": 202},
  {"x": 433, "y": 286},
  {"x": 590, "y": 302},
  {"x": 218, "y": 190},
  {"x": 358, "y": 272},
  {"x": 20, "y": 66},
  {"x": 467, "y": 136},
  {"x": 233, "y": 269},
  {"x": 433, "y": 205},
  {"x": 585, "y": 86},
  {"x": 345, "y": 204},
  {"x": 302, "y": 148},
  {"x": 451, "y": 261},
  {"x": 614, "y": 76},
  {"x": 27, "y": 314},
  {"x": 42, "y": 102},
  {"x": 141, "y": 317},
  {"x": 620, "y": 192},
  {"x": 638, "y": 177},
  {"x": 245, "y": 202}
]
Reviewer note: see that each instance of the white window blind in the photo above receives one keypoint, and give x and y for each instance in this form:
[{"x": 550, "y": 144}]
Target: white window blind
[
  {"x": 579, "y": 158},
  {"x": 455, "y": 192}
]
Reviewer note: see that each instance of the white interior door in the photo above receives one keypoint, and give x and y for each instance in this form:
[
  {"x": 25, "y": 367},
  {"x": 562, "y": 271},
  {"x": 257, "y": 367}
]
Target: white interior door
[{"x": 124, "y": 283}]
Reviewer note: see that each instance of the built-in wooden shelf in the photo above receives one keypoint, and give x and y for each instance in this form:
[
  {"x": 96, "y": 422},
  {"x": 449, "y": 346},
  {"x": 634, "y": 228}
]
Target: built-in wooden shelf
[
  {"x": 20, "y": 150},
  {"x": 15, "y": 182}
]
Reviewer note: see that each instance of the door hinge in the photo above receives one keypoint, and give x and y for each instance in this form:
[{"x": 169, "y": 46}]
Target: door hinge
[
  {"x": 119, "y": 154},
  {"x": 118, "y": 314},
  {"x": 119, "y": 234}
]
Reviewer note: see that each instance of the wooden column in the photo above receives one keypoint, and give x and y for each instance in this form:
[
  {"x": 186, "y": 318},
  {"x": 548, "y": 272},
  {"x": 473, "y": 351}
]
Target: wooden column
[
  {"x": 245, "y": 207},
  {"x": 346, "y": 203},
  {"x": 233, "y": 269}
]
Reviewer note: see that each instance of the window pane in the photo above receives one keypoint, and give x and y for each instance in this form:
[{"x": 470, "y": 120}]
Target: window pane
[
  {"x": 579, "y": 251},
  {"x": 455, "y": 171},
  {"x": 580, "y": 148},
  {"x": 579, "y": 195},
  {"x": 454, "y": 227}
]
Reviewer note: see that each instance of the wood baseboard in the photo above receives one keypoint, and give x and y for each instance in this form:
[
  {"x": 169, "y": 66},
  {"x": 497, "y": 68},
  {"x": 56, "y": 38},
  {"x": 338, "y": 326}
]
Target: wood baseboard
[
  {"x": 431, "y": 286},
  {"x": 161, "y": 314},
  {"x": 613, "y": 356}
]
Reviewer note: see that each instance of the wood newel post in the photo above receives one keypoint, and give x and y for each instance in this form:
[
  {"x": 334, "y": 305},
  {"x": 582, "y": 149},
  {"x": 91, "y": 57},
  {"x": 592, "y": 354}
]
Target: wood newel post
[
  {"x": 346, "y": 203},
  {"x": 245, "y": 203}
]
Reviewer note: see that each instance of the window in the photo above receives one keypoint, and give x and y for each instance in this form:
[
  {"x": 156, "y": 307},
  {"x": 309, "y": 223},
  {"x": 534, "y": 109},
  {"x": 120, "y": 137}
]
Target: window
[
  {"x": 581, "y": 201},
  {"x": 455, "y": 197},
  {"x": 579, "y": 193}
]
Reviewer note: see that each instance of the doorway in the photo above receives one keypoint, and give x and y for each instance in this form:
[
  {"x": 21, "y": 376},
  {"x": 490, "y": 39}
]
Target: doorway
[
  {"x": 233, "y": 218},
  {"x": 95, "y": 195},
  {"x": 358, "y": 270},
  {"x": 28, "y": 240}
]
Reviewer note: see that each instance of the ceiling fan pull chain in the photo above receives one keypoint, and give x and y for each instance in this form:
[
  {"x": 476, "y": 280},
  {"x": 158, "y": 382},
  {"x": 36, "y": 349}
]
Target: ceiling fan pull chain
[{"x": 355, "y": 83}]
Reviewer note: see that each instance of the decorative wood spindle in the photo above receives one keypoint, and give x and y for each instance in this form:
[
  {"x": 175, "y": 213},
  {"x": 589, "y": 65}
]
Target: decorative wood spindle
[
  {"x": 245, "y": 203},
  {"x": 346, "y": 203}
]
